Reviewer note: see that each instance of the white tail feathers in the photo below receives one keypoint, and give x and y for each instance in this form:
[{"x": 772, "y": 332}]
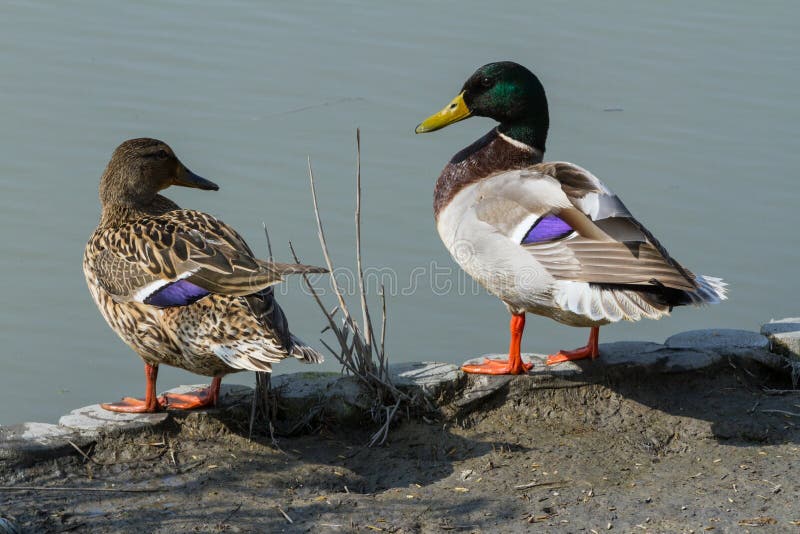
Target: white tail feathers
[{"x": 710, "y": 290}]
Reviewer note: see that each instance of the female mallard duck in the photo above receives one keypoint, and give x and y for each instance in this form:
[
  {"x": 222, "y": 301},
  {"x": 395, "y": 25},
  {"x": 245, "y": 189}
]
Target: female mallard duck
[
  {"x": 546, "y": 238},
  {"x": 181, "y": 287}
]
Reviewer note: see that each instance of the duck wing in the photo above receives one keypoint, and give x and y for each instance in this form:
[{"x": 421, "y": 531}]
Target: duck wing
[
  {"x": 577, "y": 229},
  {"x": 178, "y": 257}
]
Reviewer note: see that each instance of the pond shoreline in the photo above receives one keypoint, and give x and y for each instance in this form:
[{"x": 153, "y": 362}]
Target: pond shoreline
[{"x": 585, "y": 445}]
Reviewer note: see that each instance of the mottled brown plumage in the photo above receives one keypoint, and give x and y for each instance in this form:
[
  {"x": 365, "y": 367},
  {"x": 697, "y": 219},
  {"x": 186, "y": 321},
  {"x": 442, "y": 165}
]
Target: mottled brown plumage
[{"x": 181, "y": 287}]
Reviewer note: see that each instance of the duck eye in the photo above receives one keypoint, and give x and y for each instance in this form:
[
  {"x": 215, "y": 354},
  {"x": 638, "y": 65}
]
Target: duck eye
[
  {"x": 486, "y": 81},
  {"x": 161, "y": 154}
]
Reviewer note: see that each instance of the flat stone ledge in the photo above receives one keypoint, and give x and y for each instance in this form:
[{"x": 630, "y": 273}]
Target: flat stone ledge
[
  {"x": 93, "y": 420},
  {"x": 627, "y": 355},
  {"x": 432, "y": 378},
  {"x": 299, "y": 394},
  {"x": 784, "y": 336},
  {"x": 619, "y": 357},
  {"x": 725, "y": 341},
  {"x": 728, "y": 342}
]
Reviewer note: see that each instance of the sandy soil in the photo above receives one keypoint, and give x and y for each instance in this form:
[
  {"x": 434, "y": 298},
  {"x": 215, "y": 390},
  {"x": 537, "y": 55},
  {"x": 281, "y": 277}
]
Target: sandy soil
[{"x": 671, "y": 453}]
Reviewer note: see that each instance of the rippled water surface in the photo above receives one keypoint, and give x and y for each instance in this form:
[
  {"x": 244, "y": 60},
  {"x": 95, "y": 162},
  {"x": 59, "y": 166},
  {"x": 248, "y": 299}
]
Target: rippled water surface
[{"x": 689, "y": 113}]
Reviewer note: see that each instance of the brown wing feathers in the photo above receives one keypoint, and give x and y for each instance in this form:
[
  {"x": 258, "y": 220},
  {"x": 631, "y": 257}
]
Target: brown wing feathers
[
  {"x": 190, "y": 245},
  {"x": 614, "y": 250}
]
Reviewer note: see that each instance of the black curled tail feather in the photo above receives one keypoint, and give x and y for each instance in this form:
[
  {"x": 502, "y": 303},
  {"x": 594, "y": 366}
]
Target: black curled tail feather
[
  {"x": 264, "y": 306},
  {"x": 271, "y": 316}
]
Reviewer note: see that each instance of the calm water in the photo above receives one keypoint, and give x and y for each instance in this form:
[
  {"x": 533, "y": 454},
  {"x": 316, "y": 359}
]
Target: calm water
[{"x": 704, "y": 151}]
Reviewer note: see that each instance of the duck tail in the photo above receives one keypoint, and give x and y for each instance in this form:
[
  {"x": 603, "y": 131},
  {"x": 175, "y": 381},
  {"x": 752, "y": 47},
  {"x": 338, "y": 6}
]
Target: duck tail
[
  {"x": 303, "y": 352},
  {"x": 710, "y": 290},
  {"x": 293, "y": 268}
]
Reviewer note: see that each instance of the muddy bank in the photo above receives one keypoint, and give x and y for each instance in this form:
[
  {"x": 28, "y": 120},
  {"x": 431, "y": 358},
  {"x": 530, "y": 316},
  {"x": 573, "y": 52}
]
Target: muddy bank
[{"x": 708, "y": 450}]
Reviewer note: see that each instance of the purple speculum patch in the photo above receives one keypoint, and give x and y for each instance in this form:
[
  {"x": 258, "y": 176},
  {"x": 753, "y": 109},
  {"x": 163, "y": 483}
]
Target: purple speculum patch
[
  {"x": 180, "y": 293},
  {"x": 547, "y": 228}
]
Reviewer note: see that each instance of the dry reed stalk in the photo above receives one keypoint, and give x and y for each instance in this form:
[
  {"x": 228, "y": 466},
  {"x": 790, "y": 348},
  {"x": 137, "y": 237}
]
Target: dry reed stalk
[{"x": 357, "y": 351}]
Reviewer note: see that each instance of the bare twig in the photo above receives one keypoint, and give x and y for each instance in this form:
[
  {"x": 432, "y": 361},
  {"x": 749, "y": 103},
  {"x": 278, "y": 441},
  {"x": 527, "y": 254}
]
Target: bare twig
[
  {"x": 285, "y": 515},
  {"x": 379, "y": 437},
  {"x": 261, "y": 403},
  {"x": 365, "y": 318},
  {"x": 359, "y": 351},
  {"x": 551, "y": 484},
  {"x": 86, "y": 457},
  {"x": 323, "y": 243},
  {"x": 269, "y": 243},
  {"x": 784, "y": 412},
  {"x": 383, "y": 371}
]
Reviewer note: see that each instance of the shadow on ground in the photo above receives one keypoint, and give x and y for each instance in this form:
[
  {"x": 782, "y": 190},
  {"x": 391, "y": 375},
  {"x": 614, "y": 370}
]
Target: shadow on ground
[{"x": 656, "y": 452}]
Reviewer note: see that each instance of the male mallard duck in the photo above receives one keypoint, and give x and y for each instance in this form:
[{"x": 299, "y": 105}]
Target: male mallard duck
[
  {"x": 546, "y": 238},
  {"x": 181, "y": 287}
]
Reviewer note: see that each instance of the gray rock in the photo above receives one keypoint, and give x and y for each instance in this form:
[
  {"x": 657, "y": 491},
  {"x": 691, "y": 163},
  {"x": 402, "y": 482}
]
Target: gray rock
[
  {"x": 629, "y": 353},
  {"x": 651, "y": 357},
  {"x": 27, "y": 442},
  {"x": 620, "y": 357},
  {"x": 92, "y": 420},
  {"x": 567, "y": 374},
  {"x": 784, "y": 336},
  {"x": 303, "y": 385},
  {"x": 430, "y": 377},
  {"x": 480, "y": 387},
  {"x": 303, "y": 394},
  {"x": 726, "y": 341}
]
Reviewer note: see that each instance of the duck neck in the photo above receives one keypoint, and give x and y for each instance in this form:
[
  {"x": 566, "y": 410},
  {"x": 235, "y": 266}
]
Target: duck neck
[
  {"x": 115, "y": 213},
  {"x": 492, "y": 153},
  {"x": 530, "y": 132}
]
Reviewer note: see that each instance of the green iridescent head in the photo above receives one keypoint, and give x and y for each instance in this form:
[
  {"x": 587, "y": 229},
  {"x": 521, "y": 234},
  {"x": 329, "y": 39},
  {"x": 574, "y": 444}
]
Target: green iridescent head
[{"x": 506, "y": 92}]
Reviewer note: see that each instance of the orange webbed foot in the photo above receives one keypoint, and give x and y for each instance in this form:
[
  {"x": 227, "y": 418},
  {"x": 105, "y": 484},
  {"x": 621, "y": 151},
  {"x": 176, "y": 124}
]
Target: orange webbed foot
[
  {"x": 132, "y": 405},
  {"x": 191, "y": 401},
  {"x": 203, "y": 398},
  {"x": 570, "y": 355},
  {"x": 497, "y": 367}
]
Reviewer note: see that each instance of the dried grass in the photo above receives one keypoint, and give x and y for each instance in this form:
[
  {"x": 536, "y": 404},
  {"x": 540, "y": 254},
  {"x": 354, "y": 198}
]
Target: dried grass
[{"x": 361, "y": 353}]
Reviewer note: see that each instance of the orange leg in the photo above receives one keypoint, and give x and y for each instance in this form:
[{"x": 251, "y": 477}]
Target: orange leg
[
  {"x": 514, "y": 365},
  {"x": 199, "y": 399},
  {"x": 589, "y": 351},
  {"x": 150, "y": 404}
]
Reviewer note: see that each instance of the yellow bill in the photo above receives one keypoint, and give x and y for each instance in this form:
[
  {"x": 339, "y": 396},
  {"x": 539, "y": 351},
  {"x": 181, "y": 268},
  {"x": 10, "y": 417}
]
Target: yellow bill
[{"x": 455, "y": 111}]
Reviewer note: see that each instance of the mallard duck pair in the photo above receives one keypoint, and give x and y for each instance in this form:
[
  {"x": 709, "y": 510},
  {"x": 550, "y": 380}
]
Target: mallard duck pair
[
  {"x": 546, "y": 238},
  {"x": 181, "y": 287}
]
